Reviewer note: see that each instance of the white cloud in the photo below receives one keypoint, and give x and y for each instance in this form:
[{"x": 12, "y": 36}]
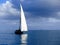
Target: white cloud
[
  {"x": 42, "y": 3},
  {"x": 54, "y": 2},
  {"x": 7, "y": 9},
  {"x": 22, "y": 0},
  {"x": 53, "y": 20},
  {"x": 58, "y": 13},
  {"x": 44, "y": 23}
]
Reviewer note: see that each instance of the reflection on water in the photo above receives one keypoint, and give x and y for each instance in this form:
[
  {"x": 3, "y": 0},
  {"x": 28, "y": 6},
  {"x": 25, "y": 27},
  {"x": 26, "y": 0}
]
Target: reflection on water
[
  {"x": 24, "y": 39},
  {"x": 44, "y": 37}
]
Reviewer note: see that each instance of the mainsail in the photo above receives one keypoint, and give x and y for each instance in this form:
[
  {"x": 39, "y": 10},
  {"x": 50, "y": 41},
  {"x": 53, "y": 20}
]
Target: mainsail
[{"x": 23, "y": 21}]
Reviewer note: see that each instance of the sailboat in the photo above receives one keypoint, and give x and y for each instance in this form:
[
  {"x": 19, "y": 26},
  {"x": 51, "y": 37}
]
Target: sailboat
[{"x": 23, "y": 27}]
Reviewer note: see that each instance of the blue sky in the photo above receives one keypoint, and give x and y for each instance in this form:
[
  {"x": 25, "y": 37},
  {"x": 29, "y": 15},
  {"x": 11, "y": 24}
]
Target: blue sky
[{"x": 40, "y": 14}]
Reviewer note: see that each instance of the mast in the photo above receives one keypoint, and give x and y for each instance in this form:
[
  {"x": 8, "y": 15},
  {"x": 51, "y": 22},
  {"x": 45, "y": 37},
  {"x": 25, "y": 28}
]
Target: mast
[{"x": 20, "y": 21}]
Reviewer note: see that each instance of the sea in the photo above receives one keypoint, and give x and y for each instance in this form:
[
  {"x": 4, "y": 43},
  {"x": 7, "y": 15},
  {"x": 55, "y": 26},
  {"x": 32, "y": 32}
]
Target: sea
[{"x": 32, "y": 37}]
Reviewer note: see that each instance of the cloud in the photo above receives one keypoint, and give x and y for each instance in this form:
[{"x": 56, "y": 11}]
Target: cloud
[
  {"x": 44, "y": 23},
  {"x": 16, "y": 4},
  {"x": 42, "y": 8},
  {"x": 44, "y": 2},
  {"x": 9, "y": 16},
  {"x": 21, "y": 0},
  {"x": 40, "y": 14},
  {"x": 7, "y": 11}
]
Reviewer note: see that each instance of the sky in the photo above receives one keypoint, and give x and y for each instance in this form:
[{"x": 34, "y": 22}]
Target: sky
[{"x": 40, "y": 14}]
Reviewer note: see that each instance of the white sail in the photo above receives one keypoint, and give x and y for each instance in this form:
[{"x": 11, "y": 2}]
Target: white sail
[{"x": 23, "y": 20}]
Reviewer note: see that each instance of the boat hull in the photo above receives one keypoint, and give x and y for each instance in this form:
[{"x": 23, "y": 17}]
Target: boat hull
[{"x": 18, "y": 32}]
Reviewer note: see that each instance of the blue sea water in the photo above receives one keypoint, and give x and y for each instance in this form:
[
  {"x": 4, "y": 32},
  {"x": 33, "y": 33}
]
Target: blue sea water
[{"x": 36, "y": 37}]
